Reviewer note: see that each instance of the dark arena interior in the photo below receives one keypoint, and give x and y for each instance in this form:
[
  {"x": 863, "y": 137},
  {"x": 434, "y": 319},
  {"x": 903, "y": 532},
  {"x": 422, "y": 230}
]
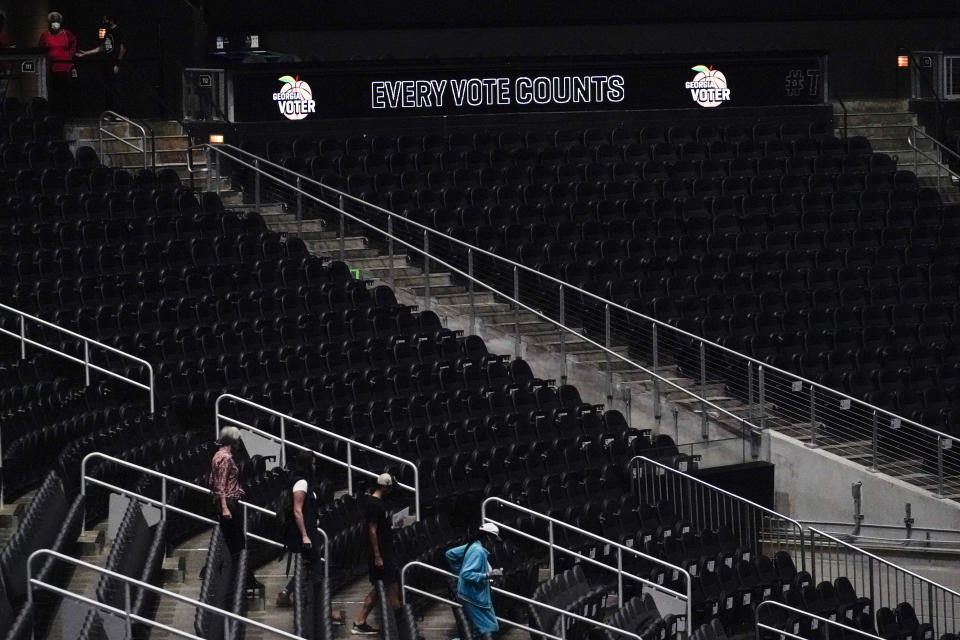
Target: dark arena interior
[{"x": 569, "y": 320}]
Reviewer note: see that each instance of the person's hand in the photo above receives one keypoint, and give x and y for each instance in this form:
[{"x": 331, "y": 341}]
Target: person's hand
[
  {"x": 78, "y": 54},
  {"x": 307, "y": 543},
  {"x": 495, "y": 573},
  {"x": 378, "y": 562},
  {"x": 226, "y": 514},
  {"x": 116, "y": 69}
]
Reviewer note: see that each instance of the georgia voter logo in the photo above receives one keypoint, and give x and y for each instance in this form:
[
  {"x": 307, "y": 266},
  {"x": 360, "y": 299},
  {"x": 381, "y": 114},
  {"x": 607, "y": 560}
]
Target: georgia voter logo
[
  {"x": 295, "y": 99},
  {"x": 709, "y": 87}
]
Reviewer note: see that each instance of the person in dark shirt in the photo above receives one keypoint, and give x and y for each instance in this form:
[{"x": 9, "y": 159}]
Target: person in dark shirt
[
  {"x": 382, "y": 566},
  {"x": 60, "y": 45},
  {"x": 113, "y": 50}
]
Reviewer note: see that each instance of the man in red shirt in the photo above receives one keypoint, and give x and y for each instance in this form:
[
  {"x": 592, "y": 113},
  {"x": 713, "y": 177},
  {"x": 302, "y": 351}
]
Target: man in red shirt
[{"x": 60, "y": 45}]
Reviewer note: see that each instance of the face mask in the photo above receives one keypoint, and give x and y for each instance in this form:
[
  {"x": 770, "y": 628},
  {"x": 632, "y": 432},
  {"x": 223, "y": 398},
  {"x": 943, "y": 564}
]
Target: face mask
[{"x": 55, "y": 26}]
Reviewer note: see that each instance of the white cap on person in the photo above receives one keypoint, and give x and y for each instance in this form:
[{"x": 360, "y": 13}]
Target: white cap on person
[
  {"x": 492, "y": 529},
  {"x": 385, "y": 480}
]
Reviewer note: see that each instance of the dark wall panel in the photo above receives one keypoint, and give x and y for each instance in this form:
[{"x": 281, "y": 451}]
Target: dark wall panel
[{"x": 348, "y": 14}]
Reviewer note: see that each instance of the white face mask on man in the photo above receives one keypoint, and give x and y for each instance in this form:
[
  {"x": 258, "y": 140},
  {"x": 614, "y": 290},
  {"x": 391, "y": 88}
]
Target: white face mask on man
[{"x": 55, "y": 26}]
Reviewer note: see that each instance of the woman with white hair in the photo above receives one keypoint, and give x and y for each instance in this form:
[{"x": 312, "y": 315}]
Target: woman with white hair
[
  {"x": 226, "y": 491},
  {"x": 60, "y": 45}
]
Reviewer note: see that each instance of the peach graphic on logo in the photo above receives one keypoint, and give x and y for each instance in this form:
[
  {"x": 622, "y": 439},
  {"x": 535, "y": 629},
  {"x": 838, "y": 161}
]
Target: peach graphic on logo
[
  {"x": 295, "y": 98},
  {"x": 709, "y": 87}
]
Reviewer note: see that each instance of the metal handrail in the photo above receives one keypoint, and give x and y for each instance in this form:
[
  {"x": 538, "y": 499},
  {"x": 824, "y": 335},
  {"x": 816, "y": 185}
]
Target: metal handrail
[
  {"x": 404, "y": 587},
  {"x": 126, "y": 612},
  {"x": 780, "y": 605},
  {"x": 551, "y": 522},
  {"x": 762, "y": 366},
  {"x": 713, "y": 488},
  {"x": 143, "y": 127},
  {"x": 164, "y": 506},
  {"x": 877, "y": 558},
  {"x": 85, "y": 361},
  {"x": 942, "y": 148},
  {"x": 520, "y": 305},
  {"x": 348, "y": 464}
]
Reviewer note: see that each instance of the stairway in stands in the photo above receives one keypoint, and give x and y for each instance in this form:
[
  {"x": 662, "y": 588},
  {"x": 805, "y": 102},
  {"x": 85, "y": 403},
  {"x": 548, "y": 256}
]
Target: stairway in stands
[
  {"x": 170, "y": 145},
  {"x": 887, "y": 123}
]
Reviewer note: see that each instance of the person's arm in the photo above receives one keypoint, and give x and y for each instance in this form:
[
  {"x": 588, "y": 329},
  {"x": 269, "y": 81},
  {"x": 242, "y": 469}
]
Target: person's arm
[
  {"x": 218, "y": 485},
  {"x": 71, "y": 43},
  {"x": 299, "y": 498},
  {"x": 89, "y": 52},
  {"x": 374, "y": 537},
  {"x": 474, "y": 567}
]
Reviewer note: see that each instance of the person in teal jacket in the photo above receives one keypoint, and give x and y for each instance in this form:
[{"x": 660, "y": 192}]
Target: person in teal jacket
[{"x": 469, "y": 562}]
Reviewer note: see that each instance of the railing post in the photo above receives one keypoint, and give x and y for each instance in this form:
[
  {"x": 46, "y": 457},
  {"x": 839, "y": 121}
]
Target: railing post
[
  {"x": 553, "y": 567},
  {"x": 245, "y": 519},
  {"x": 704, "y": 428},
  {"x": 473, "y": 308},
  {"x": 217, "y": 177},
  {"x": 763, "y": 400},
  {"x": 283, "y": 442},
  {"x": 750, "y": 392},
  {"x": 619, "y": 577},
  {"x": 300, "y": 209},
  {"x": 163, "y": 498},
  {"x": 813, "y": 417},
  {"x": 127, "y": 608},
  {"x": 563, "y": 340},
  {"x": 873, "y": 445},
  {"x": 343, "y": 231},
  {"x": 23, "y": 338},
  {"x": 393, "y": 283},
  {"x": 256, "y": 184},
  {"x": 656, "y": 379},
  {"x": 86, "y": 362},
  {"x": 939, "y": 467},
  {"x": 426, "y": 269},
  {"x": 209, "y": 168},
  {"x": 349, "y": 469},
  {"x": 606, "y": 342},
  {"x": 516, "y": 312},
  {"x": 627, "y": 397}
]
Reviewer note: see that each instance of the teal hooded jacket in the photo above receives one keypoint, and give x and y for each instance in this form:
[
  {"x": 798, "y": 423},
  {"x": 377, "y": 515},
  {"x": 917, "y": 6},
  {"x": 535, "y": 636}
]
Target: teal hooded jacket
[{"x": 469, "y": 562}]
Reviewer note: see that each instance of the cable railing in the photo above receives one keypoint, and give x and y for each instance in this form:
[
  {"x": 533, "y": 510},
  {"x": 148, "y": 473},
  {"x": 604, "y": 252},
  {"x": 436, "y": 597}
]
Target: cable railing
[
  {"x": 818, "y": 624},
  {"x": 563, "y": 613},
  {"x": 298, "y": 198},
  {"x": 774, "y": 397},
  {"x": 952, "y": 164},
  {"x": 165, "y": 506},
  {"x": 350, "y": 446},
  {"x": 21, "y": 335},
  {"x": 147, "y": 141},
  {"x": 822, "y": 416},
  {"x": 885, "y": 583},
  {"x": 607, "y": 547},
  {"x": 706, "y": 506},
  {"x": 126, "y": 613}
]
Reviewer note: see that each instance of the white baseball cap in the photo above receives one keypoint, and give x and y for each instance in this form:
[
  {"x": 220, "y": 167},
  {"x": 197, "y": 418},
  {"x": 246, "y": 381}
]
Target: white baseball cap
[
  {"x": 492, "y": 529},
  {"x": 385, "y": 480}
]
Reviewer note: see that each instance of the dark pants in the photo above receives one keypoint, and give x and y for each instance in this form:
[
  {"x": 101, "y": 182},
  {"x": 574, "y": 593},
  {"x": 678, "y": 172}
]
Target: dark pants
[
  {"x": 61, "y": 92},
  {"x": 312, "y": 567},
  {"x": 232, "y": 528},
  {"x": 113, "y": 94}
]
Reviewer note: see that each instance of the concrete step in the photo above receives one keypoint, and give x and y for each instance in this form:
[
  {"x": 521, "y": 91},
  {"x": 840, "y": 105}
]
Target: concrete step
[
  {"x": 872, "y": 106},
  {"x": 873, "y": 130},
  {"x": 133, "y": 158},
  {"x": 88, "y": 129},
  {"x": 877, "y": 119},
  {"x": 329, "y": 245}
]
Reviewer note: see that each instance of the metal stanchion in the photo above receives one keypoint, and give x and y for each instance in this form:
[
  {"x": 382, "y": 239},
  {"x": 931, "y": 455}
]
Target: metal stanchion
[
  {"x": 426, "y": 269},
  {"x": 563, "y": 341},
  {"x": 516, "y": 311},
  {"x": 704, "y": 428},
  {"x": 473, "y": 308}
]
